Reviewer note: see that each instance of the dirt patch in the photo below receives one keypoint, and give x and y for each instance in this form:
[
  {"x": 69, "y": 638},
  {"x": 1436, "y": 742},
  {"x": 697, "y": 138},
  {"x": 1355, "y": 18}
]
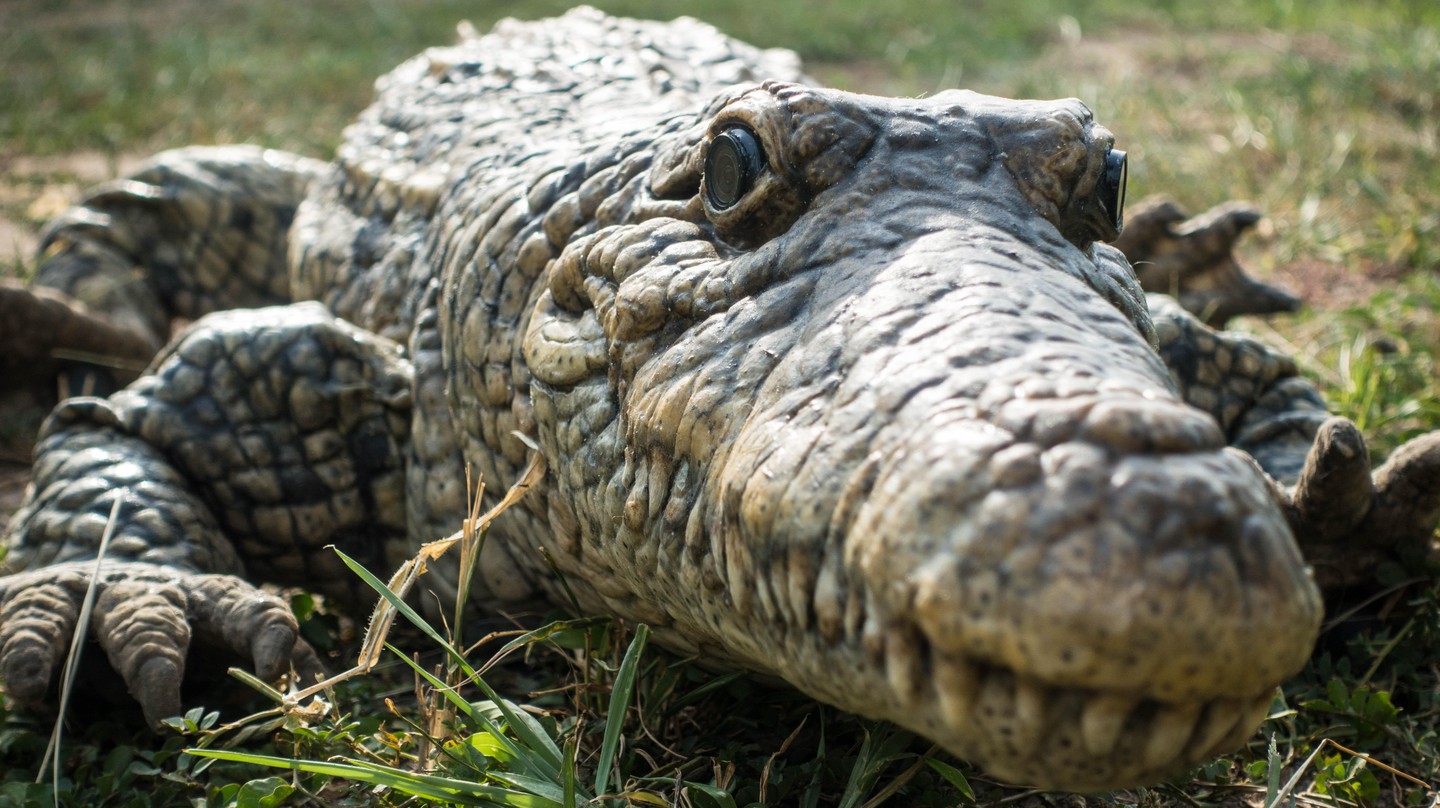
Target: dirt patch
[
  {"x": 1325, "y": 285},
  {"x": 1118, "y": 58},
  {"x": 81, "y": 167},
  {"x": 17, "y": 242},
  {"x": 861, "y": 76}
]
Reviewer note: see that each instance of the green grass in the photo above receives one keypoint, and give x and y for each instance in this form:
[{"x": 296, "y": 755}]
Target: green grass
[{"x": 1325, "y": 113}]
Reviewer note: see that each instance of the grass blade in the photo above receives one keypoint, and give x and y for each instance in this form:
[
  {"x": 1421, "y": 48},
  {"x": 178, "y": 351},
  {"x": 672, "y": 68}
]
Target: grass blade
[
  {"x": 524, "y": 726},
  {"x": 953, "y": 776},
  {"x": 535, "y": 798},
  {"x": 549, "y": 630},
  {"x": 567, "y": 774},
  {"x": 429, "y": 786},
  {"x": 404, "y": 609},
  {"x": 77, "y": 645},
  {"x": 546, "y": 789},
  {"x": 538, "y": 747},
  {"x": 721, "y": 797},
  {"x": 699, "y": 692},
  {"x": 883, "y": 745},
  {"x": 619, "y": 705}
]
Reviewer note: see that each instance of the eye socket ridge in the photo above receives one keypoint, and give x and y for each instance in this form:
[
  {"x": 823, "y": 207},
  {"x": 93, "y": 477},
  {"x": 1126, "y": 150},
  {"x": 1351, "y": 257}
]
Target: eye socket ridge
[{"x": 732, "y": 164}]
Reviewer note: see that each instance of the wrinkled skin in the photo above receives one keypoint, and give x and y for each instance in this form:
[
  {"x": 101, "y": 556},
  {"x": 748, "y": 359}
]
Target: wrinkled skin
[{"x": 892, "y": 427}]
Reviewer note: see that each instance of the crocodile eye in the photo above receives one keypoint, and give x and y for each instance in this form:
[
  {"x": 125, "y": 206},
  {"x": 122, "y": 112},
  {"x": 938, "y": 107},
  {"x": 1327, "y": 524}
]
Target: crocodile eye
[
  {"x": 731, "y": 166},
  {"x": 1112, "y": 188}
]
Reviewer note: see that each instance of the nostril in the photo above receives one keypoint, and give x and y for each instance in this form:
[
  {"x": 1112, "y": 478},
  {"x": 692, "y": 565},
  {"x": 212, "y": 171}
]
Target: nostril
[{"x": 1111, "y": 191}]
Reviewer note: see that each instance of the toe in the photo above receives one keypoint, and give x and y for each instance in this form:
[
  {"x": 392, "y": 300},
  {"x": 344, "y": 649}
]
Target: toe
[
  {"x": 1408, "y": 492},
  {"x": 308, "y": 667},
  {"x": 143, "y": 628},
  {"x": 251, "y": 623},
  {"x": 271, "y": 649},
  {"x": 36, "y": 625},
  {"x": 1334, "y": 491}
]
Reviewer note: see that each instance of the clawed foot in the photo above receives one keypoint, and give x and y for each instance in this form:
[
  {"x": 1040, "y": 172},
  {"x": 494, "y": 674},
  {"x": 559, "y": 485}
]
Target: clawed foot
[
  {"x": 49, "y": 337},
  {"x": 1349, "y": 520},
  {"x": 1193, "y": 260},
  {"x": 144, "y": 618}
]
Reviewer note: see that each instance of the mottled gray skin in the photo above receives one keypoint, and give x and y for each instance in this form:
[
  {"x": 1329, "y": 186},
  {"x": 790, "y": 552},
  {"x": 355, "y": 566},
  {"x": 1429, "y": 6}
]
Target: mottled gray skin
[{"x": 893, "y": 427}]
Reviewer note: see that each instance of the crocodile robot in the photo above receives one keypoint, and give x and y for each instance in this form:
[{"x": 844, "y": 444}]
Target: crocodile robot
[{"x": 842, "y": 389}]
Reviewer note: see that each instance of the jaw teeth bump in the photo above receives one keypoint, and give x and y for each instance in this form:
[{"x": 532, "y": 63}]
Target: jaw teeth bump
[
  {"x": 1172, "y": 727},
  {"x": 1220, "y": 719},
  {"x": 1101, "y": 721},
  {"x": 903, "y": 667},
  {"x": 1030, "y": 728},
  {"x": 1030, "y": 724},
  {"x": 957, "y": 682},
  {"x": 1253, "y": 714}
]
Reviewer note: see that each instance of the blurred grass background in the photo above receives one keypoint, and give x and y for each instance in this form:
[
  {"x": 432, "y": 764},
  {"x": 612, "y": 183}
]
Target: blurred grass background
[
  {"x": 1322, "y": 111},
  {"x": 1326, "y": 113}
]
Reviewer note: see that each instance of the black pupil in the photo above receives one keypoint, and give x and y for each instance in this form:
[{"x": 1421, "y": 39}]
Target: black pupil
[
  {"x": 731, "y": 166},
  {"x": 1116, "y": 171}
]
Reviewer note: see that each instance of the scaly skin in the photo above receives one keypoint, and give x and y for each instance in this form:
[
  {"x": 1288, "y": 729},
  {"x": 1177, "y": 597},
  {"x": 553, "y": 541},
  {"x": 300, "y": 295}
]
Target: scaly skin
[{"x": 893, "y": 426}]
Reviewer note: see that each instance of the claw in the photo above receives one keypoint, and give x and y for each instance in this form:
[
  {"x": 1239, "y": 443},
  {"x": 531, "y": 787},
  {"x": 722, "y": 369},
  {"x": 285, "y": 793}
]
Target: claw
[
  {"x": 1334, "y": 491},
  {"x": 271, "y": 651},
  {"x": 157, "y": 688},
  {"x": 230, "y": 612},
  {"x": 143, "y": 619},
  {"x": 1348, "y": 522},
  {"x": 28, "y": 670},
  {"x": 308, "y": 667}
]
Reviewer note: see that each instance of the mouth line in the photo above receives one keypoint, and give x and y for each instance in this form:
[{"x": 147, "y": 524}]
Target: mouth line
[{"x": 1076, "y": 738}]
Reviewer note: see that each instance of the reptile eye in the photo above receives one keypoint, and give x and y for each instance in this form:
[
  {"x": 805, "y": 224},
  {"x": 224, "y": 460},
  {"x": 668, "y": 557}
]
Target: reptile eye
[
  {"x": 734, "y": 161},
  {"x": 1112, "y": 188}
]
